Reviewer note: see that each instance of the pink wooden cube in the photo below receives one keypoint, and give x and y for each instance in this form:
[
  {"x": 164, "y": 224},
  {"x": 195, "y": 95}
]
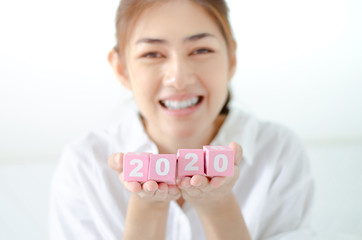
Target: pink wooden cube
[
  {"x": 219, "y": 161},
  {"x": 135, "y": 167},
  {"x": 190, "y": 162},
  {"x": 163, "y": 168}
]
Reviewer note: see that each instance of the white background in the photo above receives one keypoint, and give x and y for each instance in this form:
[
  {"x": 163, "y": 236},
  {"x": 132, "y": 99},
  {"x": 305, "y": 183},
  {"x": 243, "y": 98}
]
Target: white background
[{"x": 299, "y": 64}]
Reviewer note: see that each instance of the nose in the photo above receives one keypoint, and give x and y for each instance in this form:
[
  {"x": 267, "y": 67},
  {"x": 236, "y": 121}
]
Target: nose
[{"x": 178, "y": 73}]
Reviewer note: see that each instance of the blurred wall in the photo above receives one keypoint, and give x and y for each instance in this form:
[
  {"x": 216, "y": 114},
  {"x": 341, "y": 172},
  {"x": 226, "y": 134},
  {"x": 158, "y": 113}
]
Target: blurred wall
[{"x": 299, "y": 63}]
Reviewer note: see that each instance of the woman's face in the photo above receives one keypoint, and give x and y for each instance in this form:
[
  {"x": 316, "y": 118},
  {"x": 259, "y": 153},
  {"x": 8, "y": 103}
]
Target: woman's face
[{"x": 178, "y": 67}]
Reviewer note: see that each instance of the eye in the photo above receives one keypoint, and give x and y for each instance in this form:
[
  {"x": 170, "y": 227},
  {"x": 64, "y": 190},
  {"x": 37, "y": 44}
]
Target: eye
[
  {"x": 152, "y": 55},
  {"x": 202, "y": 51}
]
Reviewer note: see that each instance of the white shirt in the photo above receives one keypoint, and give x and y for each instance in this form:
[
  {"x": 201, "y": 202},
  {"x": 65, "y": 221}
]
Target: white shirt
[{"x": 274, "y": 189}]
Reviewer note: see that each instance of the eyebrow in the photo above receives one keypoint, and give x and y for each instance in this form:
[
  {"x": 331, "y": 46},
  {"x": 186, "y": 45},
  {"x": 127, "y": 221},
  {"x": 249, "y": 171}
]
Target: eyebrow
[
  {"x": 191, "y": 38},
  {"x": 198, "y": 36}
]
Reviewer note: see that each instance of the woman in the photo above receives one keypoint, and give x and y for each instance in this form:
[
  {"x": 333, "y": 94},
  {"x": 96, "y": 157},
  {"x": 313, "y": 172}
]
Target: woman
[{"x": 178, "y": 57}]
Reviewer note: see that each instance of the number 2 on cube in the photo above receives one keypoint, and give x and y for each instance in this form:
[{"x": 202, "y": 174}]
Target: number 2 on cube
[
  {"x": 135, "y": 172},
  {"x": 135, "y": 167},
  {"x": 190, "y": 162}
]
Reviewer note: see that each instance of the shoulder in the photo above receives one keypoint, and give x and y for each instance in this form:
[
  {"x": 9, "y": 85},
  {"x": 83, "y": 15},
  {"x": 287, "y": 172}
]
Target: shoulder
[
  {"x": 90, "y": 151},
  {"x": 264, "y": 141},
  {"x": 82, "y": 158},
  {"x": 83, "y": 186},
  {"x": 95, "y": 146},
  {"x": 246, "y": 121}
]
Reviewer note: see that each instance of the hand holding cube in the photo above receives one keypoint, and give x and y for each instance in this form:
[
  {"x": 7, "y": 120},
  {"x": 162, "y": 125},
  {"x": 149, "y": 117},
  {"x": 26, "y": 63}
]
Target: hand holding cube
[
  {"x": 212, "y": 160},
  {"x": 206, "y": 192}
]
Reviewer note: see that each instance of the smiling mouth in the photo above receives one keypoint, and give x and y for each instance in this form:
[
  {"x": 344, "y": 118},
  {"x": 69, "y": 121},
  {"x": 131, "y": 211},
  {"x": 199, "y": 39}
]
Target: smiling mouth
[{"x": 178, "y": 105}]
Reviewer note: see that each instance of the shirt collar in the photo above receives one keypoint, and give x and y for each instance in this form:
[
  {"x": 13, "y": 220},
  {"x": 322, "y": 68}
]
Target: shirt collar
[
  {"x": 241, "y": 128},
  {"x": 131, "y": 136}
]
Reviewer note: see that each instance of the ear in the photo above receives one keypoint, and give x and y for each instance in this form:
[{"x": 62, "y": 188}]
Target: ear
[
  {"x": 119, "y": 67},
  {"x": 232, "y": 60}
]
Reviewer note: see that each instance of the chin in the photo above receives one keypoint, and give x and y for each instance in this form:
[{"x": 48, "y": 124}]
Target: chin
[{"x": 183, "y": 132}]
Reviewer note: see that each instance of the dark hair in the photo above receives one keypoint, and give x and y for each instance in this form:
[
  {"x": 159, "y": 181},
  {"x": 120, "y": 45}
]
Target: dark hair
[{"x": 225, "y": 108}]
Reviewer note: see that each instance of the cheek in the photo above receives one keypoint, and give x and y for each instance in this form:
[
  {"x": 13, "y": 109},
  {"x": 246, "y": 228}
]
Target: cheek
[
  {"x": 214, "y": 73},
  {"x": 145, "y": 80}
]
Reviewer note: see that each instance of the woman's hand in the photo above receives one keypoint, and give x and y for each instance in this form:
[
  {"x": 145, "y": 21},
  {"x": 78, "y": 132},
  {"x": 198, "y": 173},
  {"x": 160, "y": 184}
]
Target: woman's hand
[
  {"x": 150, "y": 191},
  {"x": 216, "y": 205},
  {"x": 148, "y": 206},
  {"x": 204, "y": 192}
]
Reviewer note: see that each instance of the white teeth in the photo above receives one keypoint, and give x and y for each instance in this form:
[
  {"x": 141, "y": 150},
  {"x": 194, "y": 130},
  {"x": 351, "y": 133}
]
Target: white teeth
[{"x": 175, "y": 105}]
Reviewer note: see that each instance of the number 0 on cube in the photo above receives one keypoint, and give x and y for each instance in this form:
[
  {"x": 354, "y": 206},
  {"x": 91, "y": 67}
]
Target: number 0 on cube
[{"x": 219, "y": 161}]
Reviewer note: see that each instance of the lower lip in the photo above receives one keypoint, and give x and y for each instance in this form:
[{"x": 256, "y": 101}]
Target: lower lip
[{"x": 182, "y": 112}]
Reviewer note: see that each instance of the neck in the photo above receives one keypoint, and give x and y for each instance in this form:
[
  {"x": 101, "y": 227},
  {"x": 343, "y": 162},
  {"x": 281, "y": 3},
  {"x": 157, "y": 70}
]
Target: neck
[{"x": 167, "y": 144}]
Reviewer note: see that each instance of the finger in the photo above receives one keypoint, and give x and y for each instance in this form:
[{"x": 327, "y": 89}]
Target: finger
[
  {"x": 162, "y": 187},
  {"x": 150, "y": 186},
  {"x": 121, "y": 177},
  {"x": 184, "y": 183},
  {"x": 162, "y": 191},
  {"x": 217, "y": 182},
  {"x": 193, "y": 192},
  {"x": 134, "y": 187},
  {"x": 188, "y": 185},
  {"x": 199, "y": 181},
  {"x": 115, "y": 162},
  {"x": 238, "y": 152},
  {"x": 174, "y": 192}
]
